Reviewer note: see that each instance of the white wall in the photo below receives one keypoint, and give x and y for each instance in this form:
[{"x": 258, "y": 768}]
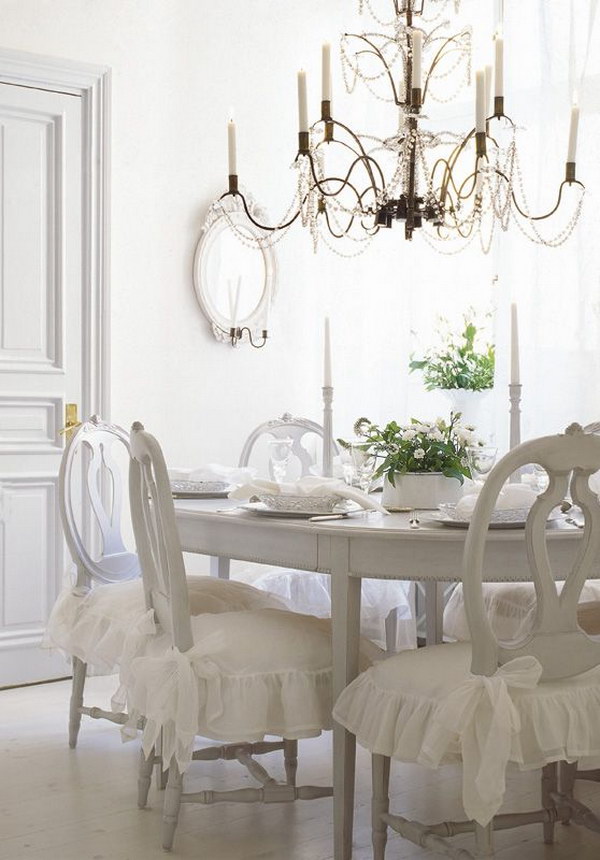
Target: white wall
[{"x": 178, "y": 66}]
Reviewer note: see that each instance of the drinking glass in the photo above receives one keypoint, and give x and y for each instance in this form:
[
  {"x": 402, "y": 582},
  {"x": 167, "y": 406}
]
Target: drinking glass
[
  {"x": 363, "y": 467},
  {"x": 481, "y": 460},
  {"x": 279, "y": 457}
]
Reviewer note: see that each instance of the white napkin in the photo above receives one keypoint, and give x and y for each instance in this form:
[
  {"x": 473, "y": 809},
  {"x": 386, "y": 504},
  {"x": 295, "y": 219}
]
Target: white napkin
[
  {"x": 511, "y": 496},
  {"x": 214, "y": 472},
  {"x": 311, "y": 485}
]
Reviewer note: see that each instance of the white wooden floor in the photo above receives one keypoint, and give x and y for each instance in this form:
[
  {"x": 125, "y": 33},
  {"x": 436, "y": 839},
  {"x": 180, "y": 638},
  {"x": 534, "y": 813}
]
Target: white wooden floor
[{"x": 61, "y": 804}]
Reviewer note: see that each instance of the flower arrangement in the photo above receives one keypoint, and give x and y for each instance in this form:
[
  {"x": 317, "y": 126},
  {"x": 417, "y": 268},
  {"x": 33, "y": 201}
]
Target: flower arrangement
[
  {"x": 419, "y": 446},
  {"x": 457, "y": 363}
]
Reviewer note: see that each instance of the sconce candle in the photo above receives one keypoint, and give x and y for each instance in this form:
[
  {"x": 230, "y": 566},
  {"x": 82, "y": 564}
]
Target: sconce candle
[
  {"x": 231, "y": 148},
  {"x": 326, "y": 72},
  {"x": 488, "y": 91},
  {"x": 573, "y": 130},
  {"x": 302, "y": 102},
  {"x": 499, "y": 69}
]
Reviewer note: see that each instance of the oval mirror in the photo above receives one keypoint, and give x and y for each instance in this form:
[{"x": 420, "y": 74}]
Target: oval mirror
[{"x": 234, "y": 272}]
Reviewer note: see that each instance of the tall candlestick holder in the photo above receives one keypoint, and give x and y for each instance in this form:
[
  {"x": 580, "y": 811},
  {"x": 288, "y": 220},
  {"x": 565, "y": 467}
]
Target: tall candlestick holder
[
  {"x": 327, "y": 431},
  {"x": 514, "y": 393}
]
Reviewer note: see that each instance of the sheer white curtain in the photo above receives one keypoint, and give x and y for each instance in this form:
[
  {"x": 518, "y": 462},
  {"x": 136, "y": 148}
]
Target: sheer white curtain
[{"x": 550, "y": 53}]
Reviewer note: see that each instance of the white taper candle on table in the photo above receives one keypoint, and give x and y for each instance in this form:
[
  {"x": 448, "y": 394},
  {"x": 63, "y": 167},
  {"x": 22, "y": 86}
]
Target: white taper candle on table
[
  {"x": 302, "y": 102},
  {"x": 327, "y": 401},
  {"x": 231, "y": 147},
  {"x": 326, "y": 72},
  {"x": 417, "y": 59},
  {"x": 499, "y": 65},
  {"x": 515, "y": 370},
  {"x": 573, "y": 131},
  {"x": 514, "y": 388},
  {"x": 480, "y": 101}
]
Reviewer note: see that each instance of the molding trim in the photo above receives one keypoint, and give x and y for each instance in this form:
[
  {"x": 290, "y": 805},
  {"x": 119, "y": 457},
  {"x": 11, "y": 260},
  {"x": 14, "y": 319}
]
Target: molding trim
[{"x": 92, "y": 84}]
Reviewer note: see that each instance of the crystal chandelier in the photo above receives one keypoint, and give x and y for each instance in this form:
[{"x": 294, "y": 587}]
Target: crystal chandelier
[{"x": 451, "y": 187}]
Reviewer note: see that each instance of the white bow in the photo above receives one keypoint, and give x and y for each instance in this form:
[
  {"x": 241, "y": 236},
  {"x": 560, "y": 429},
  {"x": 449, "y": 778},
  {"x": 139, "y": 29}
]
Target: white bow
[{"x": 481, "y": 714}]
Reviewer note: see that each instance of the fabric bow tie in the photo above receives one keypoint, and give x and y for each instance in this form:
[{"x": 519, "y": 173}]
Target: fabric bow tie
[{"x": 482, "y": 714}]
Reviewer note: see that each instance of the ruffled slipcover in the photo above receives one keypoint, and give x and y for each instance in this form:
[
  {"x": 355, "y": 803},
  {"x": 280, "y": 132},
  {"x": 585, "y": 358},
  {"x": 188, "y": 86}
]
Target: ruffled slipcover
[
  {"x": 309, "y": 592},
  {"x": 249, "y": 674},
  {"x": 426, "y": 707},
  {"x": 99, "y": 624},
  {"x": 510, "y": 606}
]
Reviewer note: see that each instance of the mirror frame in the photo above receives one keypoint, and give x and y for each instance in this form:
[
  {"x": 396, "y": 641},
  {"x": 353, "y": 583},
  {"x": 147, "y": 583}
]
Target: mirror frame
[{"x": 227, "y": 213}]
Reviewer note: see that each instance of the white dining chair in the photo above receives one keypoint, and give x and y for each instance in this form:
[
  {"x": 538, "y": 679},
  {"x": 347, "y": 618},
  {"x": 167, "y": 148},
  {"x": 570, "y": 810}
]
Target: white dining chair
[
  {"x": 533, "y": 702},
  {"x": 234, "y": 677},
  {"x": 104, "y": 616},
  {"x": 387, "y": 613}
]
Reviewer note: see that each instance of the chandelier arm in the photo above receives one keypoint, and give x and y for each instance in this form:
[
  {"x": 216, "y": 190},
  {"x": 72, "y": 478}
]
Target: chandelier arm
[
  {"x": 378, "y": 54},
  {"x": 552, "y": 211},
  {"x": 254, "y": 221},
  {"x": 344, "y": 183},
  {"x": 332, "y": 231},
  {"x": 360, "y": 156},
  {"x": 439, "y": 56}
]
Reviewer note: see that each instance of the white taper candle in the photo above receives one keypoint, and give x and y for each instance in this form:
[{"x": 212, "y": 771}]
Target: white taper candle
[
  {"x": 488, "y": 91},
  {"x": 327, "y": 380},
  {"x": 515, "y": 370},
  {"x": 417, "y": 59},
  {"x": 326, "y": 72},
  {"x": 302, "y": 102},
  {"x": 231, "y": 148},
  {"x": 236, "y": 303},
  {"x": 499, "y": 65},
  {"x": 479, "y": 100},
  {"x": 573, "y": 131}
]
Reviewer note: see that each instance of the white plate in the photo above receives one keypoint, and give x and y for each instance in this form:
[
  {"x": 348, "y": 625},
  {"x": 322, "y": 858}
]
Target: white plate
[
  {"x": 261, "y": 510},
  {"x": 200, "y": 489},
  {"x": 464, "y": 524}
]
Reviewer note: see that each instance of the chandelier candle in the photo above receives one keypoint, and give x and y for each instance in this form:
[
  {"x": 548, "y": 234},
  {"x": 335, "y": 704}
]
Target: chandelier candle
[
  {"x": 573, "y": 130},
  {"x": 326, "y": 72},
  {"x": 302, "y": 106},
  {"x": 499, "y": 70}
]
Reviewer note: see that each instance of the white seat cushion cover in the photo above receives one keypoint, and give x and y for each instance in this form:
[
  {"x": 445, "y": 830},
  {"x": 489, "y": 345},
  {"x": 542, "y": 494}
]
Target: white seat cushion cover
[
  {"x": 403, "y": 708},
  {"x": 249, "y": 674},
  {"x": 510, "y": 606},
  {"x": 95, "y": 624}
]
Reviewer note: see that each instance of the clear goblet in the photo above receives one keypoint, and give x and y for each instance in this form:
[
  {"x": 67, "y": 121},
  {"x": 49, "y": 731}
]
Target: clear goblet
[
  {"x": 481, "y": 459},
  {"x": 363, "y": 466},
  {"x": 279, "y": 457}
]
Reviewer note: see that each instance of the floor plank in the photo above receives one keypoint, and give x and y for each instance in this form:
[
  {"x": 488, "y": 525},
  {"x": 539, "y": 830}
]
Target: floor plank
[{"x": 61, "y": 804}]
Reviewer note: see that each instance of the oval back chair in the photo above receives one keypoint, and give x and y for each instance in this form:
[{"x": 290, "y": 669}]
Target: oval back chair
[
  {"x": 556, "y": 639},
  {"x": 115, "y": 563},
  {"x": 287, "y": 427}
]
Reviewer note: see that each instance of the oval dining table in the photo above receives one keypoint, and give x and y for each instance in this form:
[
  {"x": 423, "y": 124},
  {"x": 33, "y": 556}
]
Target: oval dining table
[{"x": 360, "y": 546}]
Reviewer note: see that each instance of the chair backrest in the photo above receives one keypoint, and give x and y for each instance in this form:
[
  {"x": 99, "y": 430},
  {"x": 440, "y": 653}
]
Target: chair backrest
[
  {"x": 287, "y": 427},
  {"x": 555, "y": 639},
  {"x": 157, "y": 539},
  {"x": 102, "y": 484}
]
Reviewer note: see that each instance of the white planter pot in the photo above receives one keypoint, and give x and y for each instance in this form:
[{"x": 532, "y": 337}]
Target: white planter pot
[
  {"x": 424, "y": 490},
  {"x": 474, "y": 407}
]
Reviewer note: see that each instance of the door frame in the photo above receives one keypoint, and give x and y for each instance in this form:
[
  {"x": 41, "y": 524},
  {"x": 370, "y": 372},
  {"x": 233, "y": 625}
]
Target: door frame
[{"x": 92, "y": 84}]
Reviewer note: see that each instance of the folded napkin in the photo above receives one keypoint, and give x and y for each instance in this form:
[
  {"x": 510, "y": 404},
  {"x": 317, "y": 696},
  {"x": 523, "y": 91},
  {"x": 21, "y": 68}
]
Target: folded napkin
[
  {"x": 214, "y": 472},
  {"x": 311, "y": 485},
  {"x": 512, "y": 496}
]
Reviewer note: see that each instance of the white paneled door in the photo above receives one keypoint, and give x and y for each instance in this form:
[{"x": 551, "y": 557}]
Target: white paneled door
[{"x": 41, "y": 331}]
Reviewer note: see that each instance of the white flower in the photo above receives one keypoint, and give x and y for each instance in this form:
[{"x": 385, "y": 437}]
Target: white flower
[
  {"x": 419, "y": 454},
  {"x": 422, "y": 428},
  {"x": 435, "y": 434},
  {"x": 409, "y": 434},
  {"x": 464, "y": 436}
]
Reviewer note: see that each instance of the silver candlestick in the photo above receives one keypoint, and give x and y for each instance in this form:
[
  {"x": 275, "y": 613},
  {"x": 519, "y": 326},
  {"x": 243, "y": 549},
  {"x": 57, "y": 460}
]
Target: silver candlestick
[
  {"x": 514, "y": 393},
  {"x": 327, "y": 431}
]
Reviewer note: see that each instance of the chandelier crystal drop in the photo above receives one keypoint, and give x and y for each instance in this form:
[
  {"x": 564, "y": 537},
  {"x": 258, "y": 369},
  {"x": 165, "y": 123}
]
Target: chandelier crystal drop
[{"x": 450, "y": 187}]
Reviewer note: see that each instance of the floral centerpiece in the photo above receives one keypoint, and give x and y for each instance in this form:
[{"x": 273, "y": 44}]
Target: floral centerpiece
[
  {"x": 435, "y": 451},
  {"x": 458, "y": 362}
]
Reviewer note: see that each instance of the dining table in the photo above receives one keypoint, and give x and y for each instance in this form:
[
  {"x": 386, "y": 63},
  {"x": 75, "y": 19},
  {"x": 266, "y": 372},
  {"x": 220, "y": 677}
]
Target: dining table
[{"x": 359, "y": 546}]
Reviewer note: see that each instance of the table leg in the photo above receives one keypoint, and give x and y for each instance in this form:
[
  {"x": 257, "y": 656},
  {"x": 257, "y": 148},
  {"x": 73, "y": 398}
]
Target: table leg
[
  {"x": 434, "y": 612},
  {"x": 219, "y": 567},
  {"x": 345, "y": 613}
]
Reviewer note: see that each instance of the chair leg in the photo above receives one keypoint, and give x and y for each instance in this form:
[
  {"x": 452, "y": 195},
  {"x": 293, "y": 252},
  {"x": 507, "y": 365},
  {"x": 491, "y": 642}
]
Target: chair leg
[
  {"x": 144, "y": 777},
  {"x": 290, "y": 760},
  {"x": 172, "y": 803},
  {"x": 79, "y": 673},
  {"x": 391, "y": 631},
  {"x": 567, "y": 774},
  {"x": 549, "y": 787},
  {"x": 380, "y": 803},
  {"x": 484, "y": 840}
]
